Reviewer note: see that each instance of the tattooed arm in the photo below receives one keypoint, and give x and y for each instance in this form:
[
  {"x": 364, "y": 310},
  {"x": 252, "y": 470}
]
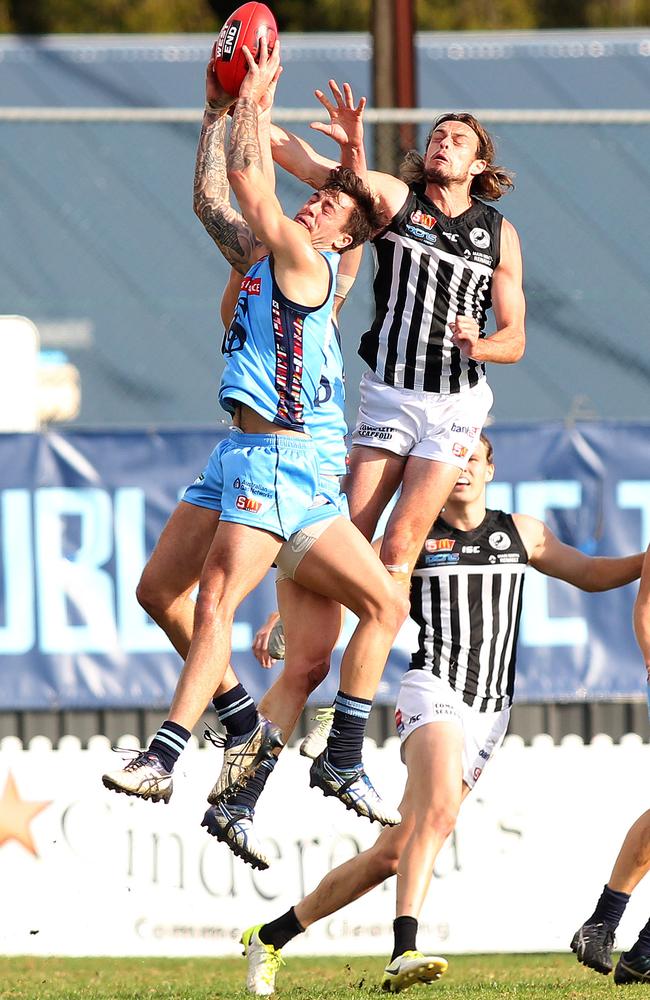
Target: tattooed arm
[{"x": 222, "y": 222}]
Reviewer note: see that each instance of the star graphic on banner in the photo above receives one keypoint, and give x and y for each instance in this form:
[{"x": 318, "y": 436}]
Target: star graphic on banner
[{"x": 15, "y": 816}]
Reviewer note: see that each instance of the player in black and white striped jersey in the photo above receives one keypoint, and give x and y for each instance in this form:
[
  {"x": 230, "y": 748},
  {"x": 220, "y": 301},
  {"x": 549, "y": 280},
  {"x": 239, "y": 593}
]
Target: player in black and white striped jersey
[
  {"x": 444, "y": 258},
  {"x": 454, "y": 701}
]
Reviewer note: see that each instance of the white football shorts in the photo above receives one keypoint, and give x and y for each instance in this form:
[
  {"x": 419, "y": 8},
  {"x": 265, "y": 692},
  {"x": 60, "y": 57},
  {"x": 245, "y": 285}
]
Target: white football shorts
[
  {"x": 424, "y": 698},
  {"x": 433, "y": 425}
]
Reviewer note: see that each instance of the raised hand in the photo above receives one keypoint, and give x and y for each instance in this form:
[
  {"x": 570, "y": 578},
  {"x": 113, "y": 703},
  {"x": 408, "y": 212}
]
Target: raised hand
[
  {"x": 262, "y": 75},
  {"x": 216, "y": 98},
  {"x": 346, "y": 118}
]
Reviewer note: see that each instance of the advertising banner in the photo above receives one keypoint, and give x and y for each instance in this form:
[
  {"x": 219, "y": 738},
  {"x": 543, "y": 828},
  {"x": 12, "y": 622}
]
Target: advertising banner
[
  {"x": 536, "y": 825},
  {"x": 81, "y": 512}
]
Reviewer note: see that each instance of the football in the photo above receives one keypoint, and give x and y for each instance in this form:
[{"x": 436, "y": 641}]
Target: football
[{"x": 245, "y": 26}]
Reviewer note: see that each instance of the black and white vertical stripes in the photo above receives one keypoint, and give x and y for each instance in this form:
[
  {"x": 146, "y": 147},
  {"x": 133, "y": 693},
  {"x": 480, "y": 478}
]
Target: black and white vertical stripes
[{"x": 468, "y": 621}]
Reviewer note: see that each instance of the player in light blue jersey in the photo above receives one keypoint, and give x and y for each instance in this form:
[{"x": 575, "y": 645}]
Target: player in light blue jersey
[{"x": 265, "y": 475}]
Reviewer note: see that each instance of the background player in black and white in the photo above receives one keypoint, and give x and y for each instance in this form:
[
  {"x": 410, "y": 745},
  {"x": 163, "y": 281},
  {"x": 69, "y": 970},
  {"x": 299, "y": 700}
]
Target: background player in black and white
[
  {"x": 443, "y": 259},
  {"x": 453, "y": 705},
  {"x": 593, "y": 942}
]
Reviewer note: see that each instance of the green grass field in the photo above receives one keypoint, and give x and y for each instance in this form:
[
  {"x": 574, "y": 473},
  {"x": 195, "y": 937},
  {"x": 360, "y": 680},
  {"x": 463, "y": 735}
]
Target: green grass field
[{"x": 469, "y": 977}]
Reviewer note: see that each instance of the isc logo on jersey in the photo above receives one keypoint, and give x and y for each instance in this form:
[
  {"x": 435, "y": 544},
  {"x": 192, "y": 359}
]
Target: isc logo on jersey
[{"x": 249, "y": 504}]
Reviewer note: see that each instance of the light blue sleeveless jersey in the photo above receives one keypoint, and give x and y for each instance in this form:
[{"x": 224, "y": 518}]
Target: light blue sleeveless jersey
[
  {"x": 275, "y": 349},
  {"x": 327, "y": 424}
]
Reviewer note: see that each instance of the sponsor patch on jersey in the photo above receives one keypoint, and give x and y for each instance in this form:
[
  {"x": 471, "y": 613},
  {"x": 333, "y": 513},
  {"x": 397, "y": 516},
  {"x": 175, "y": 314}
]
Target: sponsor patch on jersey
[
  {"x": 439, "y": 544},
  {"x": 381, "y": 433},
  {"x": 441, "y": 557},
  {"x": 484, "y": 754},
  {"x": 509, "y": 557},
  {"x": 251, "y": 285},
  {"x": 459, "y": 450},
  {"x": 470, "y": 429},
  {"x": 249, "y": 504},
  {"x": 421, "y": 234},
  {"x": 199, "y": 479},
  {"x": 480, "y": 237},
  {"x": 399, "y": 723},
  {"x": 478, "y": 771},
  {"x": 422, "y": 219},
  {"x": 452, "y": 237},
  {"x": 255, "y": 488},
  {"x": 483, "y": 258},
  {"x": 414, "y": 719},
  {"x": 471, "y": 550},
  {"x": 500, "y": 541}
]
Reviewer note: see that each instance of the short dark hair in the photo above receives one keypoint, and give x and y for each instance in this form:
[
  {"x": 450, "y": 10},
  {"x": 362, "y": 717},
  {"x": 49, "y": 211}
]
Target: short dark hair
[
  {"x": 489, "y": 448},
  {"x": 489, "y": 185},
  {"x": 366, "y": 218}
]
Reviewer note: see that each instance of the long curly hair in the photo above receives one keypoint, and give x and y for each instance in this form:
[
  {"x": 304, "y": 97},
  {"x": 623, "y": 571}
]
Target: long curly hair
[{"x": 489, "y": 185}]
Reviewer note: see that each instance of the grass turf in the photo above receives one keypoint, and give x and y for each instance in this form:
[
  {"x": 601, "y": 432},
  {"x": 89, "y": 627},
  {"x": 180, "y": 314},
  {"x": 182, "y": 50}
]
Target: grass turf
[{"x": 470, "y": 977}]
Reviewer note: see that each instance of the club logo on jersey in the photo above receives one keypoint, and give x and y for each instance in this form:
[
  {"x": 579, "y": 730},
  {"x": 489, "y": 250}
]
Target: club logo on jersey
[
  {"x": 249, "y": 504},
  {"x": 422, "y": 219},
  {"x": 439, "y": 544},
  {"x": 500, "y": 541},
  {"x": 480, "y": 238},
  {"x": 459, "y": 450},
  {"x": 227, "y": 41},
  {"x": 251, "y": 285}
]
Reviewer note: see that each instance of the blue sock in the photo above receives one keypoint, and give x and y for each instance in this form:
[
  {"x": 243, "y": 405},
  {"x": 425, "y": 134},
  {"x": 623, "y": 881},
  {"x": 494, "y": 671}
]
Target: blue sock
[
  {"x": 169, "y": 742},
  {"x": 236, "y": 710},
  {"x": 642, "y": 945},
  {"x": 609, "y": 908},
  {"x": 345, "y": 741}
]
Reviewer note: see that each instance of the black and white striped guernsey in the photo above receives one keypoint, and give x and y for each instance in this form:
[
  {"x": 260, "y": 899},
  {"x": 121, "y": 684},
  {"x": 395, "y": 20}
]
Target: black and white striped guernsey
[
  {"x": 466, "y": 594},
  {"x": 428, "y": 269}
]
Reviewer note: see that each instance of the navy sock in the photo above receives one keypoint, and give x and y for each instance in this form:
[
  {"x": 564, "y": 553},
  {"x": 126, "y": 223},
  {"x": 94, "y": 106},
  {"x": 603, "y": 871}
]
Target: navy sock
[
  {"x": 642, "y": 945},
  {"x": 169, "y": 742},
  {"x": 253, "y": 787},
  {"x": 345, "y": 741},
  {"x": 609, "y": 908},
  {"x": 278, "y": 932},
  {"x": 405, "y": 930},
  {"x": 236, "y": 710}
]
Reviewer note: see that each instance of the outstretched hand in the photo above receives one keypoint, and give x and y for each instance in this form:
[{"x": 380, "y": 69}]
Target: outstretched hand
[{"x": 346, "y": 119}]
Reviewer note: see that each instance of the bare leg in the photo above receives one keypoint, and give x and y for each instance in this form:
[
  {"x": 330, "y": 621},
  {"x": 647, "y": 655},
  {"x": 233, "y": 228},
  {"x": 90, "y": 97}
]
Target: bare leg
[
  {"x": 342, "y": 565},
  {"x": 425, "y": 487},
  {"x": 311, "y": 627},
  {"x": 433, "y": 757},
  {"x": 359, "y": 875},
  {"x": 173, "y": 571},
  {"x": 374, "y": 477},
  {"x": 237, "y": 561},
  {"x": 633, "y": 861}
]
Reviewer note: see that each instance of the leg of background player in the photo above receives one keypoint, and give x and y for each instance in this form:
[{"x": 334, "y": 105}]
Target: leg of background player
[{"x": 594, "y": 941}]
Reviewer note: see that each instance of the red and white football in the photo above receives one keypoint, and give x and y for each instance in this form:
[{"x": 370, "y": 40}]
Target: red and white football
[{"x": 245, "y": 26}]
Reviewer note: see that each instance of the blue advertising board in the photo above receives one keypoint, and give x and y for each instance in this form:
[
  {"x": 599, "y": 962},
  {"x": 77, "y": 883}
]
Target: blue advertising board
[{"x": 81, "y": 511}]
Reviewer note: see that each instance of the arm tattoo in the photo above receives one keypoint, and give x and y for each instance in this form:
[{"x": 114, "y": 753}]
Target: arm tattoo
[
  {"x": 222, "y": 222},
  {"x": 244, "y": 149}
]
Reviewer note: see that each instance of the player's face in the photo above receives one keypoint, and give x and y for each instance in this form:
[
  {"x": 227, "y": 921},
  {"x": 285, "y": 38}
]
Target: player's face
[
  {"x": 472, "y": 481},
  {"x": 324, "y": 216},
  {"x": 451, "y": 154}
]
